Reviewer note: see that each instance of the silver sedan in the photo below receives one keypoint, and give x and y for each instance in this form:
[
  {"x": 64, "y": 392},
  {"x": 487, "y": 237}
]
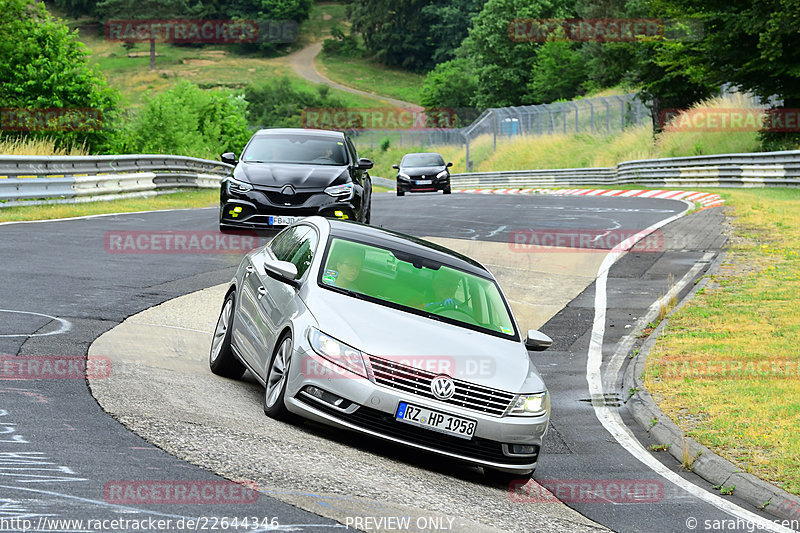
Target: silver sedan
[{"x": 388, "y": 335}]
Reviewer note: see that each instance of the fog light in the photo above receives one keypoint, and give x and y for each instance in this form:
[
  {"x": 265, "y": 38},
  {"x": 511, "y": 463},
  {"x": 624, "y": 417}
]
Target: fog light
[
  {"x": 327, "y": 397},
  {"x": 316, "y": 392},
  {"x": 340, "y": 214},
  {"x": 523, "y": 449}
]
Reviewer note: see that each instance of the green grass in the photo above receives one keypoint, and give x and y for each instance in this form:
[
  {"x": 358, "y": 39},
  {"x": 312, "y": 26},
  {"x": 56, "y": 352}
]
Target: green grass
[
  {"x": 727, "y": 369},
  {"x": 178, "y": 200},
  {"x": 323, "y": 16},
  {"x": 367, "y": 75},
  {"x": 208, "y": 66}
]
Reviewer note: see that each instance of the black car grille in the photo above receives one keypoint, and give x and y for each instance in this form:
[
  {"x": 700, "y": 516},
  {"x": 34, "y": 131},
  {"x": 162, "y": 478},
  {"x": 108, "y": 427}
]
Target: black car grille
[
  {"x": 477, "y": 448},
  {"x": 418, "y": 382},
  {"x": 277, "y": 198}
]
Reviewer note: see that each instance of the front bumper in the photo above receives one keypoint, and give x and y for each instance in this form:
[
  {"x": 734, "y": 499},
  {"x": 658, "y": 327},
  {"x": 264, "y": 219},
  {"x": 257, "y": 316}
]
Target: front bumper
[
  {"x": 410, "y": 185},
  {"x": 252, "y": 209},
  {"x": 370, "y": 408}
]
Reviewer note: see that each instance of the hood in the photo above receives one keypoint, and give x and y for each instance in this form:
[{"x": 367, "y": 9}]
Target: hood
[
  {"x": 419, "y": 171},
  {"x": 425, "y": 343},
  {"x": 300, "y": 176}
]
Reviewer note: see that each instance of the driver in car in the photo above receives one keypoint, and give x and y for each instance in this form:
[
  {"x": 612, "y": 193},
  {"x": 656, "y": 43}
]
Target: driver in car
[{"x": 445, "y": 285}]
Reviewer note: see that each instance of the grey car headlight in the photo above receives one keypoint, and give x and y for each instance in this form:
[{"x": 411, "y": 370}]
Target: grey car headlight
[
  {"x": 441, "y": 174},
  {"x": 403, "y": 175},
  {"x": 342, "y": 192},
  {"x": 336, "y": 352},
  {"x": 530, "y": 405},
  {"x": 237, "y": 186}
]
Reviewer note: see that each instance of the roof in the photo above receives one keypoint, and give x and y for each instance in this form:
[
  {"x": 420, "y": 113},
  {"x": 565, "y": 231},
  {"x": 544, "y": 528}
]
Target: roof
[
  {"x": 406, "y": 243},
  {"x": 284, "y": 131}
]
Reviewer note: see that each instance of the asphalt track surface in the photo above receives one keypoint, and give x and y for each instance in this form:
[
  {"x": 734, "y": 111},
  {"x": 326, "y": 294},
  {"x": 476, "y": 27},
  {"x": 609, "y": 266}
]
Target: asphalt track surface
[{"x": 59, "y": 451}]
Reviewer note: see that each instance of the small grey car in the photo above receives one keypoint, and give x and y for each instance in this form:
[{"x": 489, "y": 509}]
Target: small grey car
[{"x": 388, "y": 335}]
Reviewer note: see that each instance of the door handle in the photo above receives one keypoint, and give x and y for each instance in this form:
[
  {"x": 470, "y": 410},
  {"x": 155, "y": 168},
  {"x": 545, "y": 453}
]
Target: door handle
[{"x": 262, "y": 291}]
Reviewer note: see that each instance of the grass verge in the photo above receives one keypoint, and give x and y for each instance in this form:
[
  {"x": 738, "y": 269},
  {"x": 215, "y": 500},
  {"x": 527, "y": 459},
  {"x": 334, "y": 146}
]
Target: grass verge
[
  {"x": 727, "y": 369},
  {"x": 366, "y": 75},
  {"x": 178, "y": 200}
]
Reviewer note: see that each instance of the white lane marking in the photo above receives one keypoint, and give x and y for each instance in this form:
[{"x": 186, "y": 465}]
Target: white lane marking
[
  {"x": 86, "y": 217},
  {"x": 609, "y": 417},
  {"x": 65, "y": 325},
  {"x": 615, "y": 364}
]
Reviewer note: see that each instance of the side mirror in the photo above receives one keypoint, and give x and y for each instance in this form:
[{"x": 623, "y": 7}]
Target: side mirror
[
  {"x": 228, "y": 157},
  {"x": 396, "y": 167},
  {"x": 537, "y": 341},
  {"x": 283, "y": 270},
  {"x": 449, "y": 164},
  {"x": 365, "y": 164}
]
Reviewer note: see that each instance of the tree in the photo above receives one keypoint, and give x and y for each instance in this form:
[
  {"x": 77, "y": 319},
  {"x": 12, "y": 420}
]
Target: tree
[
  {"x": 412, "y": 34},
  {"x": 504, "y": 67},
  {"x": 43, "y": 67},
  {"x": 558, "y": 73},
  {"x": 132, "y": 10},
  {"x": 451, "y": 85}
]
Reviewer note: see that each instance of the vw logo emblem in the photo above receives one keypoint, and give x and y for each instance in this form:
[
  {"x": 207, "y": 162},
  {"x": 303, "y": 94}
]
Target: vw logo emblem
[{"x": 443, "y": 387}]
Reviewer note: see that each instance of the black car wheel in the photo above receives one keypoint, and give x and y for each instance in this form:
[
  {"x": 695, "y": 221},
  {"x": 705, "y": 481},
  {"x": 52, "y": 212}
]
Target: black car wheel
[
  {"x": 446, "y": 190},
  {"x": 400, "y": 192},
  {"x": 221, "y": 358},
  {"x": 277, "y": 377}
]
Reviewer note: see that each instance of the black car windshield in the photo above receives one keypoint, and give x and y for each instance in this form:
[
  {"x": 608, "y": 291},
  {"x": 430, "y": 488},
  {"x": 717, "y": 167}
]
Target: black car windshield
[
  {"x": 422, "y": 160},
  {"x": 294, "y": 148},
  {"x": 417, "y": 285}
]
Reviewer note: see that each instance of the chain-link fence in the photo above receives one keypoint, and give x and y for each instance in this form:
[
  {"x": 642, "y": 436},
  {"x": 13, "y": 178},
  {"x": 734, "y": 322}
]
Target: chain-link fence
[{"x": 600, "y": 115}]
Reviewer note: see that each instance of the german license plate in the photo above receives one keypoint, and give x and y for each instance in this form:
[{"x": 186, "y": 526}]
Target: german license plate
[
  {"x": 423, "y": 182},
  {"x": 435, "y": 420},
  {"x": 280, "y": 220}
]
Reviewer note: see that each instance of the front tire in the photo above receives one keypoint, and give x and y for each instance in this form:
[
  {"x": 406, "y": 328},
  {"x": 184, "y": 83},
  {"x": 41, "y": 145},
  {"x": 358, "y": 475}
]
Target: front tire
[
  {"x": 220, "y": 358},
  {"x": 276, "y": 380},
  {"x": 400, "y": 192},
  {"x": 446, "y": 190}
]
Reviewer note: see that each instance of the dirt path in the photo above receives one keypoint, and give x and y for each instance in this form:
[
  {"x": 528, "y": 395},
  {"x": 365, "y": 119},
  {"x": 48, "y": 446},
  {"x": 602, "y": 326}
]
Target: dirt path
[{"x": 302, "y": 61}]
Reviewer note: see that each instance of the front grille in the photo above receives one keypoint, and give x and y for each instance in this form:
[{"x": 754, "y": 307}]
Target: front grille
[
  {"x": 418, "y": 382},
  {"x": 477, "y": 448},
  {"x": 292, "y": 199}
]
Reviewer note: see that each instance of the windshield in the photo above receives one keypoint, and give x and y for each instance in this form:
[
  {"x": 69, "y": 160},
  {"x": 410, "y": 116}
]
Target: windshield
[
  {"x": 417, "y": 285},
  {"x": 304, "y": 149},
  {"x": 422, "y": 160}
]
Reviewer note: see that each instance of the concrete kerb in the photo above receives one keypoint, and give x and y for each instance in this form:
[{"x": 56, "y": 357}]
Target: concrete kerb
[{"x": 703, "y": 461}]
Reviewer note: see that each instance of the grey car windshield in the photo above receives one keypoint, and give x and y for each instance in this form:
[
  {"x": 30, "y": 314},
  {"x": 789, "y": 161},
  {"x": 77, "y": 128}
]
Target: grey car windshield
[
  {"x": 301, "y": 149},
  {"x": 422, "y": 160},
  {"x": 416, "y": 285}
]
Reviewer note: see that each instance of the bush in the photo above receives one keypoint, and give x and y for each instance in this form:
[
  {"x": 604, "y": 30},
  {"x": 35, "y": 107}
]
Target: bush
[
  {"x": 385, "y": 144},
  {"x": 345, "y": 45},
  {"x": 43, "y": 66},
  {"x": 186, "y": 120},
  {"x": 278, "y": 103}
]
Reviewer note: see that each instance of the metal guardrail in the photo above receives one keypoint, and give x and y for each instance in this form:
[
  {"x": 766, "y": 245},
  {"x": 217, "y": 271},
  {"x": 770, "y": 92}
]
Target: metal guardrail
[
  {"x": 102, "y": 177},
  {"x": 87, "y": 178},
  {"x": 768, "y": 169}
]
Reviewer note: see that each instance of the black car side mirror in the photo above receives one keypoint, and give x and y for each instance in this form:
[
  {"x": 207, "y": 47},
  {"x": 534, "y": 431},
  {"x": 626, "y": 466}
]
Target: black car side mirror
[
  {"x": 449, "y": 164},
  {"x": 228, "y": 157},
  {"x": 365, "y": 164},
  {"x": 396, "y": 167}
]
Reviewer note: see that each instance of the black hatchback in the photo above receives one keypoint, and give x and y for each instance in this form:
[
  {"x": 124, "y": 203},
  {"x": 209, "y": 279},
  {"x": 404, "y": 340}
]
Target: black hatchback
[
  {"x": 423, "y": 172},
  {"x": 288, "y": 174}
]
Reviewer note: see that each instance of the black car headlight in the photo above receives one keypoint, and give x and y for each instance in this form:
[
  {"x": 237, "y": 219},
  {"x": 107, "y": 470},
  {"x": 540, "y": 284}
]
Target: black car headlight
[
  {"x": 341, "y": 192},
  {"x": 530, "y": 405},
  {"x": 236, "y": 186},
  {"x": 441, "y": 174},
  {"x": 403, "y": 176}
]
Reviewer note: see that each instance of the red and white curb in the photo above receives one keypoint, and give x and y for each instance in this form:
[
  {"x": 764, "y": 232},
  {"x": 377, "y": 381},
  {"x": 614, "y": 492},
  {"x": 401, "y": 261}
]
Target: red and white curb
[{"x": 703, "y": 198}]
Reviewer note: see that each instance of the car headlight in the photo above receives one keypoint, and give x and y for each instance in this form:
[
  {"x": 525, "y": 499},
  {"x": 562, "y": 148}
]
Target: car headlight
[
  {"x": 237, "y": 186},
  {"x": 342, "y": 192},
  {"x": 530, "y": 405},
  {"x": 337, "y": 352},
  {"x": 441, "y": 174},
  {"x": 403, "y": 175}
]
